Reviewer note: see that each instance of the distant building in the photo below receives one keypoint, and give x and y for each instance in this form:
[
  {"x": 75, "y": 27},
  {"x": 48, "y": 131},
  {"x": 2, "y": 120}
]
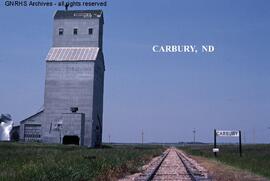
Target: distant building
[
  {"x": 73, "y": 101},
  {"x": 30, "y": 128}
]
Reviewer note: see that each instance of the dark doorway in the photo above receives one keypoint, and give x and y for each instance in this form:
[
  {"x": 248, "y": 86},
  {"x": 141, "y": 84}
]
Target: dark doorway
[
  {"x": 71, "y": 140},
  {"x": 14, "y": 136}
]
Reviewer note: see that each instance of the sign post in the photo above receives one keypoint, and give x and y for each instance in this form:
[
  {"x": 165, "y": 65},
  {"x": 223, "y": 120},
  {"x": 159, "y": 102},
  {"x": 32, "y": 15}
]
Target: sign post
[
  {"x": 240, "y": 144},
  {"x": 215, "y": 142}
]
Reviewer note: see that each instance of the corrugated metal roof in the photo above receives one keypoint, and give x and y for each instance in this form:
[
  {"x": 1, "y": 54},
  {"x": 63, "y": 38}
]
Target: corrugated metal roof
[
  {"x": 78, "y": 14},
  {"x": 32, "y": 116},
  {"x": 72, "y": 53}
]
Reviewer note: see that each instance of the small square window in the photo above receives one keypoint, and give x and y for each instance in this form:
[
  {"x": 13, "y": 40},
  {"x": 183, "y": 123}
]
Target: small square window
[
  {"x": 61, "y": 31},
  {"x": 75, "y": 31},
  {"x": 90, "y": 31}
]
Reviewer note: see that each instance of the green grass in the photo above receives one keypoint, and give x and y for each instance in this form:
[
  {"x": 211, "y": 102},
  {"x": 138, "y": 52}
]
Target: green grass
[
  {"x": 20, "y": 161},
  {"x": 255, "y": 158}
]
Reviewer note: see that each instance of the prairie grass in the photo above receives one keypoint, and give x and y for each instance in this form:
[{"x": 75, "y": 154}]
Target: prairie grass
[{"x": 38, "y": 162}]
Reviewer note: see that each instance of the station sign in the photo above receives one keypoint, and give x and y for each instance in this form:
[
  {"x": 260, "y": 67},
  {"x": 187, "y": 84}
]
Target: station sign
[{"x": 227, "y": 133}]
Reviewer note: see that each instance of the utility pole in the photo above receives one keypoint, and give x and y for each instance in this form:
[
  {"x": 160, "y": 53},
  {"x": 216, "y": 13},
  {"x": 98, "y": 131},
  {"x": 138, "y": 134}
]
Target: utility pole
[
  {"x": 194, "y": 135},
  {"x": 142, "y": 136},
  {"x": 253, "y": 133},
  {"x": 244, "y": 137},
  {"x": 109, "y": 139}
]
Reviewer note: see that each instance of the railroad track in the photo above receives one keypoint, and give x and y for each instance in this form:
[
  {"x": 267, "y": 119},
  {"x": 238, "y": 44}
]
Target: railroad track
[{"x": 174, "y": 165}]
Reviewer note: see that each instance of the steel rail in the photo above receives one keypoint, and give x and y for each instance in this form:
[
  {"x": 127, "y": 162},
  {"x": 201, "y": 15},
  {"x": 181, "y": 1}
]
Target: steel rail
[
  {"x": 190, "y": 172},
  {"x": 192, "y": 176},
  {"x": 151, "y": 175}
]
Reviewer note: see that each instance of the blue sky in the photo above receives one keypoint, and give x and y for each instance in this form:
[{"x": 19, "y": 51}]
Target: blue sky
[{"x": 166, "y": 95}]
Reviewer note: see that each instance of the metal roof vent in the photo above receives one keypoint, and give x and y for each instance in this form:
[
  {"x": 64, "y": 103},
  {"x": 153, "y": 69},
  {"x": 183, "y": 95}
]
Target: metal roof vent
[{"x": 74, "y": 109}]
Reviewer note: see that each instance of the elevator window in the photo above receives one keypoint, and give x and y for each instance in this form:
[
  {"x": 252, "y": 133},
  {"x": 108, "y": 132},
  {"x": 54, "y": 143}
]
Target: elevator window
[
  {"x": 61, "y": 31},
  {"x": 75, "y": 31}
]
